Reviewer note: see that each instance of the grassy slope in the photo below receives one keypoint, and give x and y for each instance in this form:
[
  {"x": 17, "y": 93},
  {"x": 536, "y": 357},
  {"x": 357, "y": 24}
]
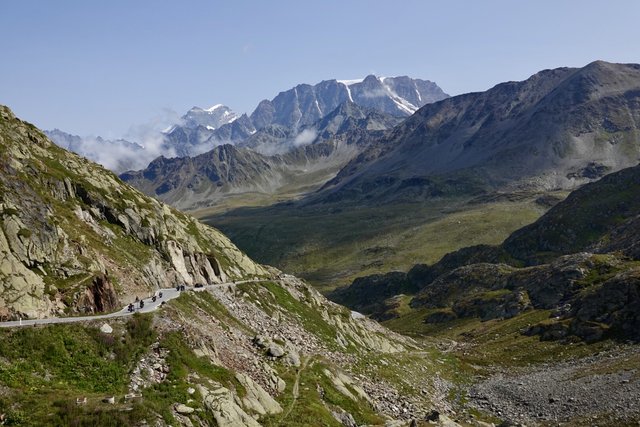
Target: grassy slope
[
  {"x": 331, "y": 248},
  {"x": 43, "y": 370}
]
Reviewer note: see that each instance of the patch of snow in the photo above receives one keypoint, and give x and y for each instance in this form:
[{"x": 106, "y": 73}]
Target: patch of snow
[
  {"x": 348, "y": 90},
  {"x": 350, "y": 82},
  {"x": 215, "y": 107},
  {"x": 402, "y": 104},
  {"x": 210, "y": 127},
  {"x": 169, "y": 129}
]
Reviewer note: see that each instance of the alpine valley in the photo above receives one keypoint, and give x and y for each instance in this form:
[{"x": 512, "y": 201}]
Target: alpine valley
[{"x": 478, "y": 258}]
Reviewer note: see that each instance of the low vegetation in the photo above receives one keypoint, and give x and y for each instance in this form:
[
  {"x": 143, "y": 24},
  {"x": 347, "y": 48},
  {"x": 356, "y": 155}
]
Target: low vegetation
[
  {"x": 331, "y": 248},
  {"x": 46, "y": 368}
]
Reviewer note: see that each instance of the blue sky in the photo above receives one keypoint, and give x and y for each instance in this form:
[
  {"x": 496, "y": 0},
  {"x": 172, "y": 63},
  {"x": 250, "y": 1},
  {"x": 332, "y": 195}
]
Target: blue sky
[{"x": 100, "y": 67}]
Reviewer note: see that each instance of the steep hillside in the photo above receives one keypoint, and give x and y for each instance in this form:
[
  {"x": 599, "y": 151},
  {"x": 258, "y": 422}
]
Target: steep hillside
[
  {"x": 585, "y": 252},
  {"x": 558, "y": 129},
  {"x": 70, "y": 230}
]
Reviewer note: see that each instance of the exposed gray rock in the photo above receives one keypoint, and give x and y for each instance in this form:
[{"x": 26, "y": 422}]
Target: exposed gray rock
[
  {"x": 275, "y": 350},
  {"x": 257, "y": 400},
  {"x": 184, "y": 409},
  {"x": 345, "y": 418},
  {"x": 226, "y": 411},
  {"x": 71, "y": 220},
  {"x": 292, "y": 357}
]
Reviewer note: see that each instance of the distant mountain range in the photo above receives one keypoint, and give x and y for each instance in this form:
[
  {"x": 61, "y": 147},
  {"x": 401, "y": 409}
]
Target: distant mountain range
[
  {"x": 305, "y": 159},
  {"x": 276, "y": 122},
  {"x": 291, "y": 111},
  {"x": 556, "y": 130},
  {"x": 117, "y": 155}
]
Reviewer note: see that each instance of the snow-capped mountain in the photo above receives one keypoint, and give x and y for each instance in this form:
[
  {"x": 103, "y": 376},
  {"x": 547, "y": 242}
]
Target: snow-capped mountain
[
  {"x": 268, "y": 128},
  {"x": 293, "y": 110},
  {"x": 306, "y": 104},
  {"x": 211, "y": 118}
]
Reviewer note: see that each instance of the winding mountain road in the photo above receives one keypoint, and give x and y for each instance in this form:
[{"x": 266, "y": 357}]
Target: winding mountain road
[{"x": 149, "y": 305}]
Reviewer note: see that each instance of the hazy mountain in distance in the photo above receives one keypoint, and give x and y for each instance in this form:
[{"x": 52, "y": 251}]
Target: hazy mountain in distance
[
  {"x": 212, "y": 118},
  {"x": 117, "y": 155},
  {"x": 277, "y": 158},
  {"x": 283, "y": 118}
]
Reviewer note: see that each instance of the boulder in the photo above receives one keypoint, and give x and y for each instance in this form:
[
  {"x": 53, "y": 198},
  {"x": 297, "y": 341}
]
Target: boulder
[
  {"x": 260, "y": 341},
  {"x": 226, "y": 412},
  {"x": 100, "y": 297},
  {"x": 275, "y": 350},
  {"x": 184, "y": 409},
  {"x": 292, "y": 357},
  {"x": 106, "y": 329},
  {"x": 256, "y": 398},
  {"x": 344, "y": 418}
]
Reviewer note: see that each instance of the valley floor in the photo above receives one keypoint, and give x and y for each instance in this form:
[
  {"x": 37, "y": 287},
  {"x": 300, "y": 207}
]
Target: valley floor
[{"x": 331, "y": 246}]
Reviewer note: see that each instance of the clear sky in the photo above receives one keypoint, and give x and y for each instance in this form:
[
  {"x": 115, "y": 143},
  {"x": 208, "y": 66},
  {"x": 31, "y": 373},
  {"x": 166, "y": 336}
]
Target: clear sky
[{"x": 99, "y": 67}]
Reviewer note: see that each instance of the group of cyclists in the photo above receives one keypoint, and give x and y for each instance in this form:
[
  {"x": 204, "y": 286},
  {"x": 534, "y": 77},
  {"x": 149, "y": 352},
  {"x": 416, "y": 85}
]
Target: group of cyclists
[{"x": 154, "y": 298}]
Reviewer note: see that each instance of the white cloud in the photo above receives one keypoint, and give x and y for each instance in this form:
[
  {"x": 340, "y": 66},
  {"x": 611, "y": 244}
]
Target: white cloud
[{"x": 305, "y": 137}]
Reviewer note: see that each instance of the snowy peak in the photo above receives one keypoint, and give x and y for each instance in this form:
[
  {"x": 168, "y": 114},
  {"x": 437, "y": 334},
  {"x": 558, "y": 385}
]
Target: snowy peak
[
  {"x": 211, "y": 118},
  {"x": 306, "y": 104}
]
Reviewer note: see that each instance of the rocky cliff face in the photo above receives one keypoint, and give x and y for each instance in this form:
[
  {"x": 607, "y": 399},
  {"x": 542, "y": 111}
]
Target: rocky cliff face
[{"x": 67, "y": 224}]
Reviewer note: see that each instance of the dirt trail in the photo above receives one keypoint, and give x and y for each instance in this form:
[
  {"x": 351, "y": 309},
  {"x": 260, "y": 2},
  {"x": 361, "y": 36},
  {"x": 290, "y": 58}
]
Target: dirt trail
[{"x": 295, "y": 392}]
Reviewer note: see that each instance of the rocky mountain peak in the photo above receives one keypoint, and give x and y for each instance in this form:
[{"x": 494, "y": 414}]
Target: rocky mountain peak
[
  {"x": 211, "y": 118},
  {"x": 547, "y": 131}
]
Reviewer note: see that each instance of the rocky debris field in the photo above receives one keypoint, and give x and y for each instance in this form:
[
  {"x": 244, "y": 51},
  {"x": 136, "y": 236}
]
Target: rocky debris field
[
  {"x": 603, "y": 388},
  {"x": 261, "y": 338}
]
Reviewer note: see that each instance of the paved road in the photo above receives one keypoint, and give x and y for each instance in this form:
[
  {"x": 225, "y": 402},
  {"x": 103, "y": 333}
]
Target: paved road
[{"x": 149, "y": 305}]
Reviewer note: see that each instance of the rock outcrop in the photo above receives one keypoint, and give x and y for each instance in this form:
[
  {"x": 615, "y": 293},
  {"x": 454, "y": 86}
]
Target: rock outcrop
[
  {"x": 71, "y": 234},
  {"x": 578, "y": 260}
]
